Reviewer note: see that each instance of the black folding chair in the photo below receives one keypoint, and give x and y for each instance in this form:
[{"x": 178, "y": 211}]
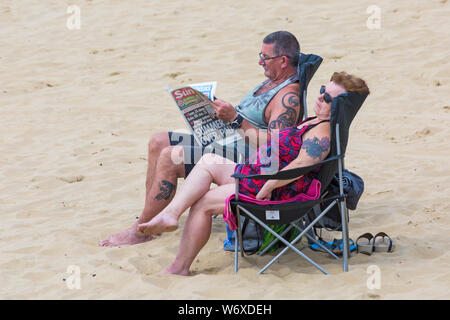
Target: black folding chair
[
  {"x": 343, "y": 110},
  {"x": 307, "y": 67}
]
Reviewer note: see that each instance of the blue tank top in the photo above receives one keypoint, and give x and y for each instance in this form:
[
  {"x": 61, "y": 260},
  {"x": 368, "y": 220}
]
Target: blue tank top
[{"x": 252, "y": 107}]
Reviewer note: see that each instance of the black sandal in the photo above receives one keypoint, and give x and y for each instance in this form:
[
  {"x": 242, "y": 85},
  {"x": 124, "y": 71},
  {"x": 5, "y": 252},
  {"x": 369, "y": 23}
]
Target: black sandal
[
  {"x": 385, "y": 244},
  {"x": 366, "y": 248}
]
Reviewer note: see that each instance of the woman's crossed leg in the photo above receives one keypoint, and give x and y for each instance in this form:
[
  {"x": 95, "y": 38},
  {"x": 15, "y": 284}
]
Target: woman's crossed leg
[{"x": 210, "y": 169}]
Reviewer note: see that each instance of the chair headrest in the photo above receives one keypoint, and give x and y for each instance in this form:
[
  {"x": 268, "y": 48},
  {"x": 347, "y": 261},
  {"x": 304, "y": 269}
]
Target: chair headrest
[
  {"x": 343, "y": 110},
  {"x": 345, "y": 106},
  {"x": 307, "y": 66}
]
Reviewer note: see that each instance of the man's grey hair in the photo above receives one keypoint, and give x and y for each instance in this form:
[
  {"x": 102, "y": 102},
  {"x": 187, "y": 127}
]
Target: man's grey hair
[{"x": 285, "y": 44}]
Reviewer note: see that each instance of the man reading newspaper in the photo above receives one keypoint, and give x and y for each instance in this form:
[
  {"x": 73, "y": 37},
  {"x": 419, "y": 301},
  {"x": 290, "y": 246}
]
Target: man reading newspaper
[
  {"x": 272, "y": 105},
  {"x": 194, "y": 102}
]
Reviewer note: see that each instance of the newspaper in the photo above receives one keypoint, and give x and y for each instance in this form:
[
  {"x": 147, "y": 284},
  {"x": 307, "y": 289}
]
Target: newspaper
[
  {"x": 207, "y": 88},
  {"x": 194, "y": 102}
]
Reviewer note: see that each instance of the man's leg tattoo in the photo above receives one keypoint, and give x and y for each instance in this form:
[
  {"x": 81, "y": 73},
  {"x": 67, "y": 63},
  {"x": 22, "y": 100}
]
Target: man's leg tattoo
[{"x": 166, "y": 189}]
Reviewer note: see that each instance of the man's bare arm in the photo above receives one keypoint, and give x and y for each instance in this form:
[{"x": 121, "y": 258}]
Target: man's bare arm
[
  {"x": 286, "y": 114},
  {"x": 282, "y": 111}
]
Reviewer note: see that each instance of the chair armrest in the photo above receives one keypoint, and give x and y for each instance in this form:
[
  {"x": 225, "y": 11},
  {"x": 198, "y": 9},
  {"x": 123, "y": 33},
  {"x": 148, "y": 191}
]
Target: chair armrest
[{"x": 287, "y": 174}]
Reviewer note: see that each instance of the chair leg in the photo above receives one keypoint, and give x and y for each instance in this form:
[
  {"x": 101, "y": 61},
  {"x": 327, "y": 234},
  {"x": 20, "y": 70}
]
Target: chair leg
[
  {"x": 275, "y": 241},
  {"x": 312, "y": 238},
  {"x": 294, "y": 224},
  {"x": 322, "y": 246},
  {"x": 287, "y": 243},
  {"x": 239, "y": 231},
  {"x": 290, "y": 246},
  {"x": 343, "y": 208},
  {"x": 345, "y": 241},
  {"x": 236, "y": 255}
]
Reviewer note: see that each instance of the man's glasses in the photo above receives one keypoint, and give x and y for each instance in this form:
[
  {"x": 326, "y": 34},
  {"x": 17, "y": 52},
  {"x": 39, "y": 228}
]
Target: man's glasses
[
  {"x": 326, "y": 95},
  {"x": 264, "y": 58}
]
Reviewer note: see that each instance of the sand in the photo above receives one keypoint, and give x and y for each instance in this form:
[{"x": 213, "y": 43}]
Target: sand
[{"x": 77, "y": 109}]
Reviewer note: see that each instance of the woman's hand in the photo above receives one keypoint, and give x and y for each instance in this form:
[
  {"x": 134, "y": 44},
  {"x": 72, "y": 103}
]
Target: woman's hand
[{"x": 264, "y": 193}]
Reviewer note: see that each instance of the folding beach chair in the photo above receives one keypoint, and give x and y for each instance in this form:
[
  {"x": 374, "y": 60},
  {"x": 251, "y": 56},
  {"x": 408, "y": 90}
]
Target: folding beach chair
[
  {"x": 343, "y": 110},
  {"x": 306, "y": 68}
]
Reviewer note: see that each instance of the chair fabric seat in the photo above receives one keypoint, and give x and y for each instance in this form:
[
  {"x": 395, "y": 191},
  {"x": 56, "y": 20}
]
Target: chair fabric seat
[{"x": 288, "y": 212}]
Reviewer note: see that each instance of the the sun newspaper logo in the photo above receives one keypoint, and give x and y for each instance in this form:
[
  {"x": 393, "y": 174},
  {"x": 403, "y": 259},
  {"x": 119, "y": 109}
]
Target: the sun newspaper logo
[{"x": 183, "y": 93}]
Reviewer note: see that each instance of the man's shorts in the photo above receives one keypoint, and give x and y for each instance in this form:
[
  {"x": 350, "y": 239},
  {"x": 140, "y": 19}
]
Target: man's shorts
[{"x": 193, "y": 151}]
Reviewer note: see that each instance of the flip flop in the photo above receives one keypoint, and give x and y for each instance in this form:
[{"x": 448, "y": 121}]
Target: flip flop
[
  {"x": 383, "y": 244},
  {"x": 335, "y": 246},
  {"x": 328, "y": 245},
  {"x": 363, "y": 246},
  {"x": 339, "y": 246}
]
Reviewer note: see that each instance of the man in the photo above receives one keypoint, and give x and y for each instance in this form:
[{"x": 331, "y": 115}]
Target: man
[{"x": 272, "y": 105}]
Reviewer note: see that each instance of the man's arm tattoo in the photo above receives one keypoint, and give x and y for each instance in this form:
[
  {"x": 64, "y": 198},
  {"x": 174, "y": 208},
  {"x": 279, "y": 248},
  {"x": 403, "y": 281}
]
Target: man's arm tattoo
[
  {"x": 315, "y": 148},
  {"x": 166, "y": 190},
  {"x": 291, "y": 102}
]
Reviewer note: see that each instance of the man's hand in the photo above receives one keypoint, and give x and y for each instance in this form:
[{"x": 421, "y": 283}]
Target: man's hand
[{"x": 224, "y": 110}]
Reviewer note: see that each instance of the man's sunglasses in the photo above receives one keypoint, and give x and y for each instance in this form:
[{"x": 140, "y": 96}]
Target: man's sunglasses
[
  {"x": 326, "y": 96},
  {"x": 264, "y": 58}
]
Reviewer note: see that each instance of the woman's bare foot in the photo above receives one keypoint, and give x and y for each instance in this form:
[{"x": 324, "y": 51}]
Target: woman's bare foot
[
  {"x": 160, "y": 223},
  {"x": 128, "y": 236},
  {"x": 172, "y": 270}
]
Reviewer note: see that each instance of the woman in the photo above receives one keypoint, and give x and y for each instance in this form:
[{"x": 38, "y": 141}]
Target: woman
[{"x": 299, "y": 146}]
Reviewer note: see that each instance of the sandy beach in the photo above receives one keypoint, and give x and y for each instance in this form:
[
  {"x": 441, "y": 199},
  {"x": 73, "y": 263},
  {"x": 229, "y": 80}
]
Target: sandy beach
[{"x": 78, "y": 106}]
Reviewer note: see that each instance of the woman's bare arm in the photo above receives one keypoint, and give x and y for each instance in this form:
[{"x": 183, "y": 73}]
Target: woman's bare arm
[{"x": 315, "y": 148}]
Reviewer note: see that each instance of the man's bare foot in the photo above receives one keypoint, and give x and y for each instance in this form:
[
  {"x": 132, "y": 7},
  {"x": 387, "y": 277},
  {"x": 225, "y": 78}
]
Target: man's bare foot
[
  {"x": 160, "y": 223},
  {"x": 128, "y": 236}
]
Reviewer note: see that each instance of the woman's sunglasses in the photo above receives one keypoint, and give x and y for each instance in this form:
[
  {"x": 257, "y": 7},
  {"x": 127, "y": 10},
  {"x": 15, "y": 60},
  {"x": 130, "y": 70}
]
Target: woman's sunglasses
[{"x": 326, "y": 95}]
